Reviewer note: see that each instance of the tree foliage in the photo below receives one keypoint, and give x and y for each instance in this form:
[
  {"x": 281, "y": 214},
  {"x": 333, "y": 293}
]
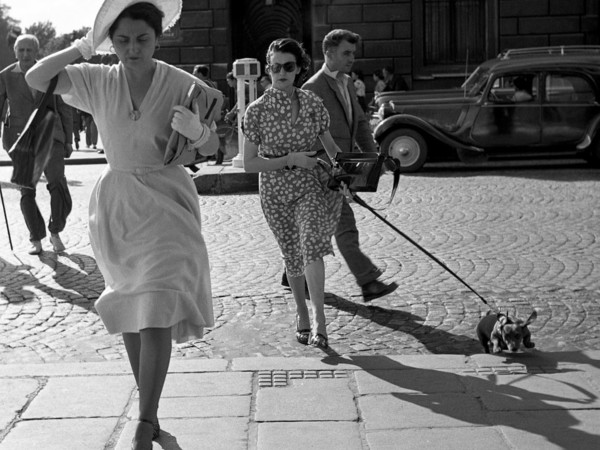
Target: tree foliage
[{"x": 45, "y": 32}]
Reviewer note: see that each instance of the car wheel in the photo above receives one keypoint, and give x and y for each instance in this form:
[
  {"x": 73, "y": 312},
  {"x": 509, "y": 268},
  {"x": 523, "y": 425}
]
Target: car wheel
[{"x": 408, "y": 146}]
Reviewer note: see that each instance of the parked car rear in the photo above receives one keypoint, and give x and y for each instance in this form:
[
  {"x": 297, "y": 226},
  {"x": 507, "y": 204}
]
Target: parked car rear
[{"x": 536, "y": 102}]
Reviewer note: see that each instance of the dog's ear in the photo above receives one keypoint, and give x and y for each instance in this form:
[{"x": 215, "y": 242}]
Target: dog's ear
[
  {"x": 502, "y": 319},
  {"x": 531, "y": 318}
]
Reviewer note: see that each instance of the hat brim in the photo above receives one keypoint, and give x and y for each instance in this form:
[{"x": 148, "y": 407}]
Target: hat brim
[{"x": 110, "y": 10}]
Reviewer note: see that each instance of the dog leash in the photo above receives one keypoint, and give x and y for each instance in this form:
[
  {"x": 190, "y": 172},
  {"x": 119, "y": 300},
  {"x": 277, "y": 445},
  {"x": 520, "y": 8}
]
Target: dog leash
[
  {"x": 364, "y": 204},
  {"x": 6, "y": 218}
]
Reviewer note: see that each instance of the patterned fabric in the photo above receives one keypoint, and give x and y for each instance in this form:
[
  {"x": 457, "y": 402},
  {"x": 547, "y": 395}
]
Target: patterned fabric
[{"x": 300, "y": 210}]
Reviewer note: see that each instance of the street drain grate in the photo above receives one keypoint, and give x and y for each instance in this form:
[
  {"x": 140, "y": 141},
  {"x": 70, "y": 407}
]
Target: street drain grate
[{"x": 280, "y": 378}]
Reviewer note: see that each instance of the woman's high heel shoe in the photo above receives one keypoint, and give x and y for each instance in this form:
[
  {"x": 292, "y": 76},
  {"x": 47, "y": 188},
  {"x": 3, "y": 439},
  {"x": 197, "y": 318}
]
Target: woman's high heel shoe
[
  {"x": 319, "y": 340},
  {"x": 302, "y": 335}
]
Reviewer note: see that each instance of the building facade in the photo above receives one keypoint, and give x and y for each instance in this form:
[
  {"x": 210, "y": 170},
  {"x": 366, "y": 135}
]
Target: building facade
[{"x": 432, "y": 43}]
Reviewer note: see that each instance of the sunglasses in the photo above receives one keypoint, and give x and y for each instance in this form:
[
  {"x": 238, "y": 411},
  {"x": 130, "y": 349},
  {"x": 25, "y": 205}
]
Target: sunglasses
[{"x": 276, "y": 68}]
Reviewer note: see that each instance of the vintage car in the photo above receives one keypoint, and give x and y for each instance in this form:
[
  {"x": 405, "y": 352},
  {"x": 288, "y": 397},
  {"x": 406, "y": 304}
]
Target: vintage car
[{"x": 535, "y": 102}]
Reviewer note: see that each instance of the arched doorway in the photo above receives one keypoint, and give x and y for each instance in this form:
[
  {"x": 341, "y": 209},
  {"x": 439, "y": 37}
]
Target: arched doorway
[{"x": 257, "y": 23}]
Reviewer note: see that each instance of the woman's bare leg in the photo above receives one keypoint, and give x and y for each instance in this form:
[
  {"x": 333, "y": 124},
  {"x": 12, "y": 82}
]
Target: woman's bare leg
[
  {"x": 315, "y": 278},
  {"x": 297, "y": 286},
  {"x": 153, "y": 364}
]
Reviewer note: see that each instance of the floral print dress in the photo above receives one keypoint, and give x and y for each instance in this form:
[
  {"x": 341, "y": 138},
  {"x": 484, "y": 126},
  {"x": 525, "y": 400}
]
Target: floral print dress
[{"x": 301, "y": 211}]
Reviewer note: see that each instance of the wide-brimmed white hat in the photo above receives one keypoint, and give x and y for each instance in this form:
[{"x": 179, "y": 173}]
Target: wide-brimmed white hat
[{"x": 110, "y": 10}]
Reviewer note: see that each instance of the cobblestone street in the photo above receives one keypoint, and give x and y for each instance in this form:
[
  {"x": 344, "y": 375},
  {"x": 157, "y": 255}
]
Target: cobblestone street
[{"x": 524, "y": 238}]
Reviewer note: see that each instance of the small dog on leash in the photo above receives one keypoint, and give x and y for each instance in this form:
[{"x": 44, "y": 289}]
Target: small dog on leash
[{"x": 504, "y": 333}]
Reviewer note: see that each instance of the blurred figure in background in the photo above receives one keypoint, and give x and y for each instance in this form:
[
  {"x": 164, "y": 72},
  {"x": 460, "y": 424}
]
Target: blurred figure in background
[{"x": 359, "y": 85}]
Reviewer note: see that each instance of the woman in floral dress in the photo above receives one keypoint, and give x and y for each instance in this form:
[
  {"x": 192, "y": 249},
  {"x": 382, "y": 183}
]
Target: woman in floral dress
[{"x": 280, "y": 128}]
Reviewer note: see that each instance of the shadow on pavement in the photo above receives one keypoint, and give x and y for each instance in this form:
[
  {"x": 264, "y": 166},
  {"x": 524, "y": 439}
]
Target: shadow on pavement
[
  {"x": 20, "y": 283},
  {"x": 459, "y": 397},
  {"x": 167, "y": 441},
  {"x": 435, "y": 340}
]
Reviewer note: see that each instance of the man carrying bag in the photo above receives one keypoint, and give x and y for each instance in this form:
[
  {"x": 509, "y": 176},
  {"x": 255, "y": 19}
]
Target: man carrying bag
[{"x": 22, "y": 101}]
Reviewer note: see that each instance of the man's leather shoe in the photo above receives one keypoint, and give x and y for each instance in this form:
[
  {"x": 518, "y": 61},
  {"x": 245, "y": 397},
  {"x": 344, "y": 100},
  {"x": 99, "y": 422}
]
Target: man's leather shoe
[
  {"x": 36, "y": 248},
  {"x": 375, "y": 289}
]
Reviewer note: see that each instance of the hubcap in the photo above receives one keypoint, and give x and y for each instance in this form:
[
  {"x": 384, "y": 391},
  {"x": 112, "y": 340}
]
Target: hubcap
[{"x": 406, "y": 149}]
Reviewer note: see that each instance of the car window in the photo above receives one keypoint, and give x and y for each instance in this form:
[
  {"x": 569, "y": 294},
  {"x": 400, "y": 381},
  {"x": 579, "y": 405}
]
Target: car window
[
  {"x": 567, "y": 88},
  {"x": 514, "y": 88}
]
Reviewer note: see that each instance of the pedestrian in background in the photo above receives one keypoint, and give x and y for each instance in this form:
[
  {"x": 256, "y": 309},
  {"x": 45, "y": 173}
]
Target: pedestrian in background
[
  {"x": 202, "y": 72},
  {"x": 359, "y": 86},
  {"x": 145, "y": 222},
  {"x": 349, "y": 128},
  {"x": 22, "y": 101},
  {"x": 379, "y": 87},
  {"x": 279, "y": 130},
  {"x": 265, "y": 82},
  {"x": 393, "y": 82}
]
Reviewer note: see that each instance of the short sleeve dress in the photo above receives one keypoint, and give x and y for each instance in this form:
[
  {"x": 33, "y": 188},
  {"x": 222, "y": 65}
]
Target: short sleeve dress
[
  {"x": 144, "y": 217},
  {"x": 301, "y": 211}
]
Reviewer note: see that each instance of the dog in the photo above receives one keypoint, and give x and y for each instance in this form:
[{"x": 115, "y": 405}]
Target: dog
[{"x": 504, "y": 333}]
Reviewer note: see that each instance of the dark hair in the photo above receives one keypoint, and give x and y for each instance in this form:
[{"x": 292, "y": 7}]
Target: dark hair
[
  {"x": 230, "y": 76},
  {"x": 202, "y": 69},
  {"x": 389, "y": 69},
  {"x": 335, "y": 37},
  {"x": 378, "y": 73},
  {"x": 359, "y": 74},
  {"x": 288, "y": 45},
  {"x": 140, "y": 11}
]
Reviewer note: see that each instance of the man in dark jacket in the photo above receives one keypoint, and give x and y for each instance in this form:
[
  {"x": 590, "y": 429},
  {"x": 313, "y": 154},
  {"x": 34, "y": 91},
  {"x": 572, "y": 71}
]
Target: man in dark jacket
[
  {"x": 22, "y": 101},
  {"x": 349, "y": 127}
]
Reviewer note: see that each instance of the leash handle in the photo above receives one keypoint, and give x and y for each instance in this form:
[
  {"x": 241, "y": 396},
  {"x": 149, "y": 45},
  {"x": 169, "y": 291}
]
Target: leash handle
[{"x": 362, "y": 203}]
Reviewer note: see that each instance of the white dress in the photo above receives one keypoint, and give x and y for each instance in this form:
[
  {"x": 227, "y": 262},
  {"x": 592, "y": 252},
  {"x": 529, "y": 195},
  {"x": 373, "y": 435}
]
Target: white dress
[{"x": 144, "y": 222}]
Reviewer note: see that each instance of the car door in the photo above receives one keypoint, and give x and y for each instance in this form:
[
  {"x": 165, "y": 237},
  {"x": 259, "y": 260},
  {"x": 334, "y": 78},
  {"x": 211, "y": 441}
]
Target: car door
[
  {"x": 569, "y": 104},
  {"x": 509, "y": 117}
]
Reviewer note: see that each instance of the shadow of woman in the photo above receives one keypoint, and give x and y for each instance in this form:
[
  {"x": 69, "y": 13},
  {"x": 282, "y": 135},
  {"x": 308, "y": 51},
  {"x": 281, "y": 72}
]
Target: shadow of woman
[
  {"x": 80, "y": 275},
  {"x": 434, "y": 339},
  {"x": 20, "y": 284},
  {"x": 167, "y": 441},
  {"x": 550, "y": 406}
]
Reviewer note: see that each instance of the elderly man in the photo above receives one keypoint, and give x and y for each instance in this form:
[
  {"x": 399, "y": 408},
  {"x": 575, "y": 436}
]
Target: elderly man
[
  {"x": 349, "y": 128},
  {"x": 22, "y": 101}
]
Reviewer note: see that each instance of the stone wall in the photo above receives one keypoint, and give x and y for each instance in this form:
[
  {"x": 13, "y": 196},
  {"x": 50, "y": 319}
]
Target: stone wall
[{"x": 535, "y": 23}]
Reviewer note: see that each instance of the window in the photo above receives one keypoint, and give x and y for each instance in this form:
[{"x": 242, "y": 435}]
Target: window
[
  {"x": 450, "y": 34},
  {"x": 453, "y": 28},
  {"x": 514, "y": 88},
  {"x": 565, "y": 88}
]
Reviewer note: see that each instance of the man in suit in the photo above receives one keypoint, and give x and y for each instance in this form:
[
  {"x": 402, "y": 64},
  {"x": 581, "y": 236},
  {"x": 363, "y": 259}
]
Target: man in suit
[
  {"x": 22, "y": 101},
  {"x": 349, "y": 128}
]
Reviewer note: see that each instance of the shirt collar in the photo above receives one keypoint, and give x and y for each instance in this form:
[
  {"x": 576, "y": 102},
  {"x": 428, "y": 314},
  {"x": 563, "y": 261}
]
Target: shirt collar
[
  {"x": 17, "y": 68},
  {"x": 335, "y": 74}
]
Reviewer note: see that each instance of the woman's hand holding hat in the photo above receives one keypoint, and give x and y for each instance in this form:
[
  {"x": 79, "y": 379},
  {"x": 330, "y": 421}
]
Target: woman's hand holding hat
[
  {"x": 187, "y": 123},
  {"x": 85, "y": 46}
]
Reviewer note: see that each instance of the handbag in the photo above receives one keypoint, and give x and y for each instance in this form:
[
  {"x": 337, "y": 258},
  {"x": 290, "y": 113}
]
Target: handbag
[
  {"x": 361, "y": 171},
  {"x": 31, "y": 151},
  {"x": 179, "y": 151}
]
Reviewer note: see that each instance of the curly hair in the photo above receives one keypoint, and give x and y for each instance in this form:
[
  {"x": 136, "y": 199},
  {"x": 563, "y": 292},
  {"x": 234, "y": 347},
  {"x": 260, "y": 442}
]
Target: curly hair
[{"x": 288, "y": 45}]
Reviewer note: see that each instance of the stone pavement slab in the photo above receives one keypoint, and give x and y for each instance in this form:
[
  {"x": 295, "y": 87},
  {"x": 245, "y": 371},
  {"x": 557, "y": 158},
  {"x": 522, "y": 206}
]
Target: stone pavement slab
[
  {"x": 311, "y": 400},
  {"x": 464, "y": 438},
  {"x": 15, "y": 394},
  {"x": 93, "y": 396},
  {"x": 309, "y": 435},
  {"x": 399, "y": 410},
  {"x": 229, "y": 433},
  {"x": 552, "y": 430},
  {"x": 60, "y": 434}
]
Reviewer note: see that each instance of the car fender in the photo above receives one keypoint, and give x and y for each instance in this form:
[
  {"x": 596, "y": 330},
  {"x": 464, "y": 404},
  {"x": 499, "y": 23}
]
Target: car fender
[
  {"x": 426, "y": 128},
  {"x": 592, "y": 131}
]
